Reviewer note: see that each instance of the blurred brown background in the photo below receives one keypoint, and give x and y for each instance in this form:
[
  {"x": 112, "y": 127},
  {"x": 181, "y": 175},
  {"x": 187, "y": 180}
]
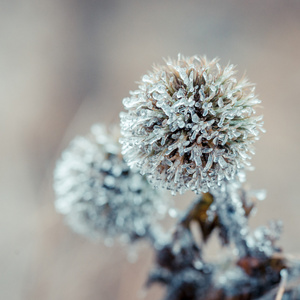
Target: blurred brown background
[{"x": 66, "y": 64}]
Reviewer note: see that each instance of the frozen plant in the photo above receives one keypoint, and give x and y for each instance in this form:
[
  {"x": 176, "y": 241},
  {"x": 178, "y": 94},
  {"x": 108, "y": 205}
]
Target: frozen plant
[
  {"x": 98, "y": 193},
  {"x": 190, "y": 124},
  {"x": 252, "y": 272}
]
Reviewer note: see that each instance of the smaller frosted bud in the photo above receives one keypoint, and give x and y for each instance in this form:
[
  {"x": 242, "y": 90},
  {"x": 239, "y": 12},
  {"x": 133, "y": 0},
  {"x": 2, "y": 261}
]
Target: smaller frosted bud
[
  {"x": 98, "y": 193},
  {"x": 190, "y": 125}
]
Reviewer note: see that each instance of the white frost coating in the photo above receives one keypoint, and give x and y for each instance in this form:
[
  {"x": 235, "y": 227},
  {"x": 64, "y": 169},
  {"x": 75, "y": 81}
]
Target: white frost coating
[
  {"x": 230, "y": 201},
  {"x": 98, "y": 193},
  {"x": 190, "y": 125}
]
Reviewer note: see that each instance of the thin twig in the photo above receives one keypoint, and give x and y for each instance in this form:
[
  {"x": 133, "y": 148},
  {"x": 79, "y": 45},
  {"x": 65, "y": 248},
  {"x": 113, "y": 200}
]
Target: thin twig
[{"x": 281, "y": 289}]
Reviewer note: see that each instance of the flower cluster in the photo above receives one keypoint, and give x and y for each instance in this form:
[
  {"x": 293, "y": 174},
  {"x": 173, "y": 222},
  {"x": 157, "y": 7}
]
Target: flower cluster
[
  {"x": 190, "y": 125},
  {"x": 98, "y": 193}
]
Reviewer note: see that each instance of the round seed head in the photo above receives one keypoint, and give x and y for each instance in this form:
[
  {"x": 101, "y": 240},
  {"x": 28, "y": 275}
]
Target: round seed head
[
  {"x": 190, "y": 124},
  {"x": 99, "y": 194}
]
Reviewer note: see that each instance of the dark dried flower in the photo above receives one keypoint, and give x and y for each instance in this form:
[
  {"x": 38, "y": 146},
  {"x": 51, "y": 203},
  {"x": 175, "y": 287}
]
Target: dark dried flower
[{"x": 180, "y": 267}]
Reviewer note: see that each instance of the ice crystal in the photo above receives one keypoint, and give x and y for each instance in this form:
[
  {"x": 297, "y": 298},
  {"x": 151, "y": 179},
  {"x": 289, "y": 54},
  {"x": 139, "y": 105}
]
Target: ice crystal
[
  {"x": 231, "y": 214},
  {"x": 232, "y": 204},
  {"x": 263, "y": 239},
  {"x": 98, "y": 193},
  {"x": 190, "y": 124}
]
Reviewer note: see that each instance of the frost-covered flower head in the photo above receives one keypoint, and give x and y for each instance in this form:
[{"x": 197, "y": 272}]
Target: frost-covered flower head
[
  {"x": 98, "y": 193},
  {"x": 190, "y": 124}
]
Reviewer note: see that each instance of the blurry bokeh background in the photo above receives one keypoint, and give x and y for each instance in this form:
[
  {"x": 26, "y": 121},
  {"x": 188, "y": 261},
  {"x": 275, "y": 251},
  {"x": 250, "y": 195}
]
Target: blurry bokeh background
[{"x": 66, "y": 64}]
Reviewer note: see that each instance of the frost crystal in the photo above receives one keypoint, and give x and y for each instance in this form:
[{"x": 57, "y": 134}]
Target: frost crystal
[
  {"x": 98, "y": 193},
  {"x": 190, "y": 125},
  {"x": 231, "y": 203}
]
